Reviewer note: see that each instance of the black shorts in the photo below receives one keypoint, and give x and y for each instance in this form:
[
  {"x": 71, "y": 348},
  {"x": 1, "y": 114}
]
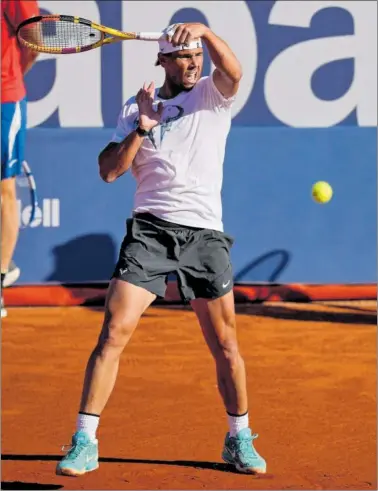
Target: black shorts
[{"x": 153, "y": 249}]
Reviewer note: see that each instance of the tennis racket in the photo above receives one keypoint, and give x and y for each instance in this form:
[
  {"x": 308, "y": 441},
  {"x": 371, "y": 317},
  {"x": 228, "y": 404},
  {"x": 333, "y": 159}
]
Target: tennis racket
[
  {"x": 66, "y": 34},
  {"x": 26, "y": 195}
]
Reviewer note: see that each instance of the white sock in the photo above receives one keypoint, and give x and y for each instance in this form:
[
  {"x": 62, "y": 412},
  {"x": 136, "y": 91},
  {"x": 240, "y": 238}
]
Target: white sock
[
  {"x": 88, "y": 423},
  {"x": 237, "y": 423}
]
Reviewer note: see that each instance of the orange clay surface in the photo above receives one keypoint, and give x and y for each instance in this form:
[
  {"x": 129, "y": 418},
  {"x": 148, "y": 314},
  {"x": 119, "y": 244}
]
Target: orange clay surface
[{"x": 311, "y": 381}]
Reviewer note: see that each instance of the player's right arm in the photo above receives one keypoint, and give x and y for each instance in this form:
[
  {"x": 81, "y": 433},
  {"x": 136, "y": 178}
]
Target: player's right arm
[{"x": 118, "y": 157}]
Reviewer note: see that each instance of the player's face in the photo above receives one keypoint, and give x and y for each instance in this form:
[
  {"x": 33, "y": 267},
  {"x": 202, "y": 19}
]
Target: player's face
[{"x": 183, "y": 68}]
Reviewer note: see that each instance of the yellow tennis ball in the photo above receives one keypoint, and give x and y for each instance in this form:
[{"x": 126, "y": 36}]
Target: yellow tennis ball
[{"x": 322, "y": 192}]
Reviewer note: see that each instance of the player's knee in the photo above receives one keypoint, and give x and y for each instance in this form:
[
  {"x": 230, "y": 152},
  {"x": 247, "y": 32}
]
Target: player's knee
[
  {"x": 229, "y": 355},
  {"x": 116, "y": 334},
  {"x": 228, "y": 350}
]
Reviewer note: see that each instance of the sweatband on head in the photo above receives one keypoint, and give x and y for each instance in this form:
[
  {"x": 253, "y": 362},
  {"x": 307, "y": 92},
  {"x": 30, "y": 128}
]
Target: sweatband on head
[{"x": 166, "y": 47}]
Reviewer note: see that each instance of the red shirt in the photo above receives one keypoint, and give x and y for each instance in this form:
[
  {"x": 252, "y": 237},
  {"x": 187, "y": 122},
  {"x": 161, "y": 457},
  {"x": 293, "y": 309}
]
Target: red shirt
[{"x": 12, "y": 80}]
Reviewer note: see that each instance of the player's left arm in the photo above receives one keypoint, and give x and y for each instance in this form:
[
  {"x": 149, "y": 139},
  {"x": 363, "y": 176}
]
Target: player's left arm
[{"x": 228, "y": 71}]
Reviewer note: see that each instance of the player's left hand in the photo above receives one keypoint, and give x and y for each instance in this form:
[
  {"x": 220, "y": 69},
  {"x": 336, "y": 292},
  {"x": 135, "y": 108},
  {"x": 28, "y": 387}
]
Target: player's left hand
[
  {"x": 186, "y": 33},
  {"x": 148, "y": 116}
]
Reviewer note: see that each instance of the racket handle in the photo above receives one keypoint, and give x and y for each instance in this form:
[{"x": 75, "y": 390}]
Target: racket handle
[{"x": 150, "y": 36}]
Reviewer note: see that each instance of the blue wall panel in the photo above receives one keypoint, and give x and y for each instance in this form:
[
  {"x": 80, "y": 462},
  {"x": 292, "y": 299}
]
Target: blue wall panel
[{"x": 281, "y": 234}]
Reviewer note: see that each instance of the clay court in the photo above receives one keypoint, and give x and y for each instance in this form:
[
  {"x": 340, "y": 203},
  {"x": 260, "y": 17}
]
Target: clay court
[{"x": 312, "y": 386}]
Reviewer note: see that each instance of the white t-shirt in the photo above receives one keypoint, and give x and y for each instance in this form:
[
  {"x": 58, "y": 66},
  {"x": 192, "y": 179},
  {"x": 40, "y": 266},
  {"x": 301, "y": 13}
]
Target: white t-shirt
[{"x": 179, "y": 168}]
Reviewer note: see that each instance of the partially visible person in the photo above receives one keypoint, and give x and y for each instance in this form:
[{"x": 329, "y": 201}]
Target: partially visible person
[{"x": 16, "y": 61}]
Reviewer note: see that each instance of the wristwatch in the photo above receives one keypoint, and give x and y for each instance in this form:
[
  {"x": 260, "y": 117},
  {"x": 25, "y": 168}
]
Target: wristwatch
[{"x": 141, "y": 132}]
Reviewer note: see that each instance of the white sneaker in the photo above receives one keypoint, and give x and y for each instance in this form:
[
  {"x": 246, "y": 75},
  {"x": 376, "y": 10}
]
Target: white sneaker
[{"x": 12, "y": 275}]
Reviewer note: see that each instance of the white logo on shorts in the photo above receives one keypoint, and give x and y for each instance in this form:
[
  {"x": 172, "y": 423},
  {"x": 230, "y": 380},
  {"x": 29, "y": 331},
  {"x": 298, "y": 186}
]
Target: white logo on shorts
[
  {"x": 225, "y": 285},
  {"x": 122, "y": 271},
  {"x": 12, "y": 162}
]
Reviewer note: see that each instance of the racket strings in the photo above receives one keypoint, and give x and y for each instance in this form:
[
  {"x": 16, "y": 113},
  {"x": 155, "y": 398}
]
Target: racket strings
[{"x": 57, "y": 34}]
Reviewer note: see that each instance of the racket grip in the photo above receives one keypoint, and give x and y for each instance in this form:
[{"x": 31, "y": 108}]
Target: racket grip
[{"x": 150, "y": 36}]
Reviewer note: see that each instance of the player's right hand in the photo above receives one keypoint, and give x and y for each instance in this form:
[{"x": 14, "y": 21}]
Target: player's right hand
[{"x": 148, "y": 116}]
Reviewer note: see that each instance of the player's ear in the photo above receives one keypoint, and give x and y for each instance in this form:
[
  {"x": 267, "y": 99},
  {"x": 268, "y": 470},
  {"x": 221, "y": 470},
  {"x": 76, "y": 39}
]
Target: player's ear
[
  {"x": 159, "y": 59},
  {"x": 162, "y": 59}
]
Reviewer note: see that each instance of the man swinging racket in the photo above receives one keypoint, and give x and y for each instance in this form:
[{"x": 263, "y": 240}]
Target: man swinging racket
[{"x": 173, "y": 139}]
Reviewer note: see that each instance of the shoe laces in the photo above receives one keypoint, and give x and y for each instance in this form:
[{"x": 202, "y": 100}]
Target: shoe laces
[
  {"x": 246, "y": 444},
  {"x": 73, "y": 450}
]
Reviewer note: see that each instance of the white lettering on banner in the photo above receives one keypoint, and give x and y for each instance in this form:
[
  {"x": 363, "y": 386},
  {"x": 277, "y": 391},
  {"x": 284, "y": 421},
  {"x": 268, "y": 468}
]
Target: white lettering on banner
[
  {"x": 238, "y": 30},
  {"x": 48, "y": 216},
  {"x": 76, "y": 92},
  {"x": 77, "y": 89},
  {"x": 288, "y": 89}
]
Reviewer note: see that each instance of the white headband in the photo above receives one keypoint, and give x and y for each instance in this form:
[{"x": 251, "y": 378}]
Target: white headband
[{"x": 166, "y": 47}]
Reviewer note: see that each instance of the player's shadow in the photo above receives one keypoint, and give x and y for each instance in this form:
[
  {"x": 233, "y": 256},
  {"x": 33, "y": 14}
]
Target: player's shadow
[
  {"x": 288, "y": 312},
  {"x": 28, "y": 485},
  {"x": 88, "y": 258},
  {"x": 265, "y": 268},
  {"x": 114, "y": 460},
  {"x": 84, "y": 262}
]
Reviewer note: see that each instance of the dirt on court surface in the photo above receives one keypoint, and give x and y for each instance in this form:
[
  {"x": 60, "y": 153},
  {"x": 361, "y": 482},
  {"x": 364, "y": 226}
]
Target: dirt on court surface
[{"x": 312, "y": 389}]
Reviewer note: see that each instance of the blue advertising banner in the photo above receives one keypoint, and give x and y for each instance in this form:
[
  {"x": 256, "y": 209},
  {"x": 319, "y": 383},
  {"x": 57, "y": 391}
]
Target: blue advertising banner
[{"x": 281, "y": 233}]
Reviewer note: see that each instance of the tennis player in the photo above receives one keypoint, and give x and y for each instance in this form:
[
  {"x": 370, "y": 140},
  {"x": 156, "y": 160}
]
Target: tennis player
[
  {"x": 16, "y": 61},
  {"x": 173, "y": 140}
]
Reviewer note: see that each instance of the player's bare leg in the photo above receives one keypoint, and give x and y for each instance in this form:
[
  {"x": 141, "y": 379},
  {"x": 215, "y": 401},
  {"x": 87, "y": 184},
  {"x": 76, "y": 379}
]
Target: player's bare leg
[
  {"x": 9, "y": 228},
  {"x": 9, "y": 221},
  {"x": 218, "y": 324},
  {"x": 124, "y": 306}
]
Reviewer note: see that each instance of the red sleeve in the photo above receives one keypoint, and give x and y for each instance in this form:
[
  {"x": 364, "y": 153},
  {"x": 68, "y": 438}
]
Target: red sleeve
[{"x": 20, "y": 10}]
